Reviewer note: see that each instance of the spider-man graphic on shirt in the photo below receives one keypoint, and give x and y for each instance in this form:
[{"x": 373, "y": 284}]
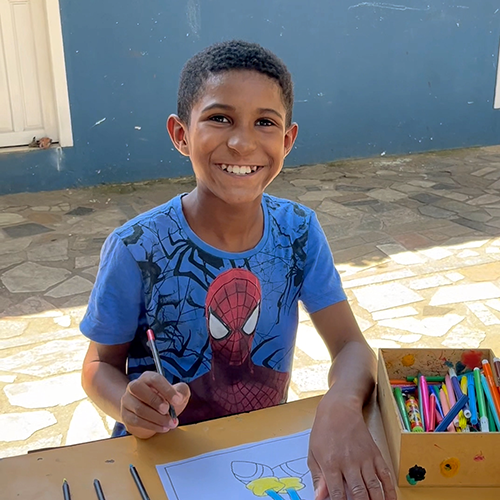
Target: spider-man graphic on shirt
[{"x": 234, "y": 384}]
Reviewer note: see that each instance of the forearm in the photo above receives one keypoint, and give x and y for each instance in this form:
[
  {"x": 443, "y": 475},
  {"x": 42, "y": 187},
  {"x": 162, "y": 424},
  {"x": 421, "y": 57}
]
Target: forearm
[
  {"x": 352, "y": 374},
  {"x": 105, "y": 385}
]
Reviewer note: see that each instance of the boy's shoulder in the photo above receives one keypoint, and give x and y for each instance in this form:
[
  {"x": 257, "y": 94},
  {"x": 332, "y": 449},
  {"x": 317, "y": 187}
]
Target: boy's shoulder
[
  {"x": 283, "y": 207},
  {"x": 160, "y": 217}
]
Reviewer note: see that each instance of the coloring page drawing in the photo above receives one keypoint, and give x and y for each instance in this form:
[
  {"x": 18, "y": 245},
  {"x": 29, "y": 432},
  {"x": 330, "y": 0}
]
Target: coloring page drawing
[{"x": 275, "y": 469}]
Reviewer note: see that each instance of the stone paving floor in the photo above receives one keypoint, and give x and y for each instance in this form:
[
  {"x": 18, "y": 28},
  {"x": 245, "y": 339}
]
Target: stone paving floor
[{"x": 416, "y": 240}]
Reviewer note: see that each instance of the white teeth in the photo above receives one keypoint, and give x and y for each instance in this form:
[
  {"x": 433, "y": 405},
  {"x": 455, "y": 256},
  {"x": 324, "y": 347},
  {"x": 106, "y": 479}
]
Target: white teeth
[{"x": 239, "y": 169}]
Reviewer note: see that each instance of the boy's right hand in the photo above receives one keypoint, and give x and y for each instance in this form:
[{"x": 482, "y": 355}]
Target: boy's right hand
[{"x": 145, "y": 404}]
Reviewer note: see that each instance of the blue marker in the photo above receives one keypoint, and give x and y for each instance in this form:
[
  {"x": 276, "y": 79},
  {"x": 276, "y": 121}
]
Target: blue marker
[
  {"x": 452, "y": 414},
  {"x": 489, "y": 397},
  {"x": 435, "y": 390},
  {"x": 471, "y": 392}
]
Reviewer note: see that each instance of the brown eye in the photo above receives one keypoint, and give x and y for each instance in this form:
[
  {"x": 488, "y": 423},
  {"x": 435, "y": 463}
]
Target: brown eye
[
  {"x": 219, "y": 119},
  {"x": 265, "y": 123}
]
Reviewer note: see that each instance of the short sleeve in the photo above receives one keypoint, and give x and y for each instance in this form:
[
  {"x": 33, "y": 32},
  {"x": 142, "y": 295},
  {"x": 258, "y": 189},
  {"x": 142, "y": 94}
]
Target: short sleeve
[
  {"x": 116, "y": 301},
  {"x": 322, "y": 286}
]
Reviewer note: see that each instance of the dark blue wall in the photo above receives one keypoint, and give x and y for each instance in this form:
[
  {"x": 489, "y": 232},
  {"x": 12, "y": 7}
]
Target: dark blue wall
[{"x": 370, "y": 77}]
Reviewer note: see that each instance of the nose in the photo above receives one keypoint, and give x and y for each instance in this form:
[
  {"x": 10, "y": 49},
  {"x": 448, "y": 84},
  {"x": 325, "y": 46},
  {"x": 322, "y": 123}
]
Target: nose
[{"x": 242, "y": 140}]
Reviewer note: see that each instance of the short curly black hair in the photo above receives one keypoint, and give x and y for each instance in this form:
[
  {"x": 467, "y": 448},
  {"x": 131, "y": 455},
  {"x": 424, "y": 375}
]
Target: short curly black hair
[{"x": 226, "y": 56}]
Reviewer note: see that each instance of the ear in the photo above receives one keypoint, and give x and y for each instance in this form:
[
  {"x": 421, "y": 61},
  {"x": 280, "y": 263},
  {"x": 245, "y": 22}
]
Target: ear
[
  {"x": 177, "y": 131},
  {"x": 290, "y": 136}
]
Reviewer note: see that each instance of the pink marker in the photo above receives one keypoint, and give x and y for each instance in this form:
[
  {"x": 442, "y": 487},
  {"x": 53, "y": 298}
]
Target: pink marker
[
  {"x": 432, "y": 413},
  {"x": 425, "y": 400}
]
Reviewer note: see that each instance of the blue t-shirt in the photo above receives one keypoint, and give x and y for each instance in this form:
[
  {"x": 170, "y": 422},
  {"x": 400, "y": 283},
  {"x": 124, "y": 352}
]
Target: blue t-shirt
[{"x": 225, "y": 323}]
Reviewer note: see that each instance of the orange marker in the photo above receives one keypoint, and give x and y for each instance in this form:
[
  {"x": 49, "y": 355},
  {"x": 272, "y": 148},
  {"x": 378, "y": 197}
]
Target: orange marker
[{"x": 488, "y": 374}]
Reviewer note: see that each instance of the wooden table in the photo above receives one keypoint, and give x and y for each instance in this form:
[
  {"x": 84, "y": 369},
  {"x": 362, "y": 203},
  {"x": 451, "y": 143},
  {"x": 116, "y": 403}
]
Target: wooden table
[{"x": 39, "y": 475}]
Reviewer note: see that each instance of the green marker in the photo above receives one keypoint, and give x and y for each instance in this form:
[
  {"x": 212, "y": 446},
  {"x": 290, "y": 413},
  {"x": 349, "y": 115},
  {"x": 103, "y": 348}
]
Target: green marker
[
  {"x": 432, "y": 378},
  {"x": 481, "y": 404},
  {"x": 398, "y": 395}
]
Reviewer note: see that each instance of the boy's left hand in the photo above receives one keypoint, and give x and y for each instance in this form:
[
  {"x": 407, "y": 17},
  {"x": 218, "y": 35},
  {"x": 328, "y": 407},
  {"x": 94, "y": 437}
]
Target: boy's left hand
[{"x": 344, "y": 459}]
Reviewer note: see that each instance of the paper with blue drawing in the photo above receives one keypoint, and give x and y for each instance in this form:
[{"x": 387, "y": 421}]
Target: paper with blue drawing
[{"x": 273, "y": 469}]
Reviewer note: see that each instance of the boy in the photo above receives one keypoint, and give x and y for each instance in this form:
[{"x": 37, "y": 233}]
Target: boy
[{"x": 217, "y": 274}]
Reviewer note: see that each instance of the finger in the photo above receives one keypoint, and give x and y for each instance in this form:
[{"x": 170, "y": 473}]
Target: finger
[
  {"x": 144, "y": 390},
  {"x": 166, "y": 390},
  {"x": 133, "y": 421},
  {"x": 372, "y": 482},
  {"x": 385, "y": 476},
  {"x": 145, "y": 412},
  {"x": 319, "y": 483},
  {"x": 356, "y": 486},
  {"x": 185, "y": 392},
  {"x": 335, "y": 484}
]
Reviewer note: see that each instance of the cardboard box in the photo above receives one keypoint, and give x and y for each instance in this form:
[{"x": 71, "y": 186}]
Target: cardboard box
[{"x": 444, "y": 458}]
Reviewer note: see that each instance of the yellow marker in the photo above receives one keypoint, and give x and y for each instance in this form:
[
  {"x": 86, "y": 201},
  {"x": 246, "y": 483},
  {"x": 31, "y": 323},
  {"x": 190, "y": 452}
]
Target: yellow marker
[{"x": 445, "y": 390}]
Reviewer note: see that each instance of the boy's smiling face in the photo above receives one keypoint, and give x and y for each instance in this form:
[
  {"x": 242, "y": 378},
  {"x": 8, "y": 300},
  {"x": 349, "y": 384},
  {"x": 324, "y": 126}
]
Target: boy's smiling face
[{"x": 237, "y": 137}]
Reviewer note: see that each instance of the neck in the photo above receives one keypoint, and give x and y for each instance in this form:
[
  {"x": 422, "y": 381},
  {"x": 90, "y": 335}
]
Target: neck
[{"x": 226, "y": 227}]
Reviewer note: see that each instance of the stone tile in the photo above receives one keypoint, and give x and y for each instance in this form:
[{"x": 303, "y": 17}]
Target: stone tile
[
  {"x": 39, "y": 335},
  {"x": 456, "y": 196},
  {"x": 387, "y": 195},
  {"x": 479, "y": 216},
  {"x": 306, "y": 182},
  {"x": 413, "y": 241},
  {"x": 64, "y": 321},
  {"x": 363, "y": 324},
  {"x": 10, "y": 259},
  {"x": 464, "y": 338},
  {"x": 7, "y": 219},
  {"x": 464, "y": 254},
  {"x": 421, "y": 183},
  {"x": 28, "y": 229},
  {"x": 478, "y": 226},
  {"x": 402, "y": 338},
  {"x": 399, "y": 312},
  {"x": 429, "y": 282},
  {"x": 32, "y": 445},
  {"x": 86, "y": 425},
  {"x": 11, "y": 328},
  {"x": 485, "y": 199},
  {"x": 83, "y": 261},
  {"x": 49, "y": 252},
  {"x": 7, "y": 379},
  {"x": 483, "y": 313},
  {"x": 56, "y": 357},
  {"x": 435, "y": 212},
  {"x": 35, "y": 307},
  {"x": 400, "y": 254},
  {"x": 79, "y": 211},
  {"x": 483, "y": 171},
  {"x": 43, "y": 218},
  {"x": 73, "y": 286},
  {"x": 375, "y": 298},
  {"x": 312, "y": 378},
  {"x": 436, "y": 253},
  {"x": 41, "y": 208},
  {"x": 436, "y": 311},
  {"x": 429, "y": 326},
  {"x": 485, "y": 272},
  {"x": 426, "y": 198},
  {"x": 454, "y": 276},
  {"x": 378, "y": 278},
  {"x": 54, "y": 391},
  {"x": 20, "y": 426},
  {"x": 382, "y": 344},
  {"x": 30, "y": 277},
  {"x": 316, "y": 195},
  {"x": 14, "y": 246},
  {"x": 465, "y": 293},
  {"x": 310, "y": 343}
]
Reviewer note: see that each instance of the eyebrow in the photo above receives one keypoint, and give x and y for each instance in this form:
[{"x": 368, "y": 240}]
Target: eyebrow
[{"x": 217, "y": 105}]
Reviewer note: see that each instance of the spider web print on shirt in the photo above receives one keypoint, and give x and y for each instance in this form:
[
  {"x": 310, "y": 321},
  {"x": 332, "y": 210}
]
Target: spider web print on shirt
[{"x": 177, "y": 273}]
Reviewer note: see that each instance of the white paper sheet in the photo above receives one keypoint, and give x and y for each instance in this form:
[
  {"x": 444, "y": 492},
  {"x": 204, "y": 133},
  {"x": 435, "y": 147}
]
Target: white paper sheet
[{"x": 272, "y": 469}]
